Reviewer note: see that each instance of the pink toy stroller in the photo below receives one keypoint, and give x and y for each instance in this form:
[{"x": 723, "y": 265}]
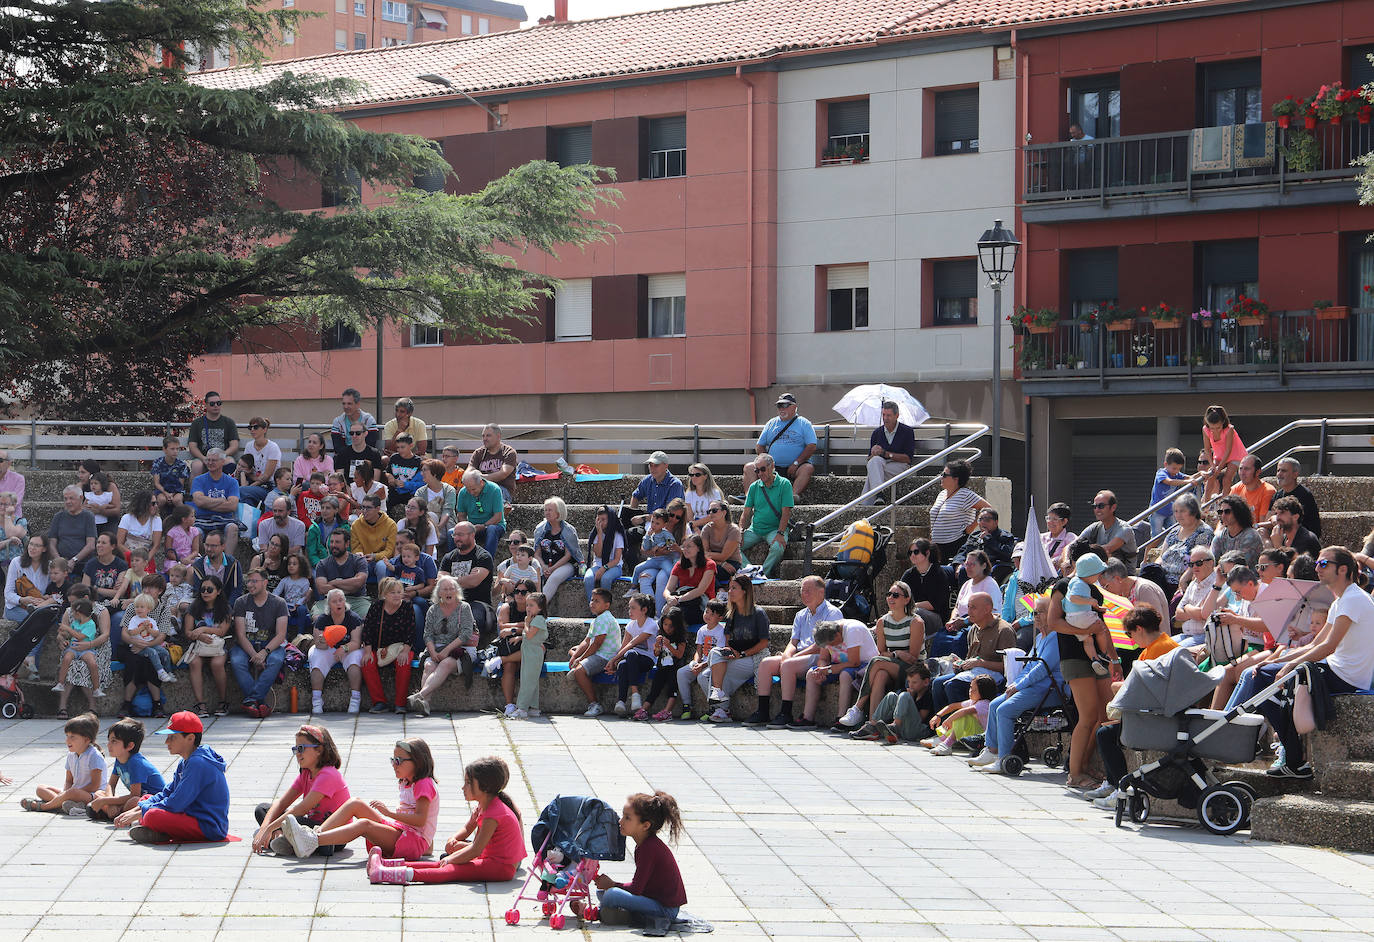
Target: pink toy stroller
[{"x": 573, "y": 834}]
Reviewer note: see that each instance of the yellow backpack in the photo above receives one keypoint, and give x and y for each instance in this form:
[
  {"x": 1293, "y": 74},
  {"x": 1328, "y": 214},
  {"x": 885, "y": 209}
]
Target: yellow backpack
[{"x": 856, "y": 546}]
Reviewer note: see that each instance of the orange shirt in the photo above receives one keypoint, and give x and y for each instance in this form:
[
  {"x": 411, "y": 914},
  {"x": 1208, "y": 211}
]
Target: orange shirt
[
  {"x": 1158, "y": 648},
  {"x": 455, "y": 477},
  {"x": 1258, "y": 497}
]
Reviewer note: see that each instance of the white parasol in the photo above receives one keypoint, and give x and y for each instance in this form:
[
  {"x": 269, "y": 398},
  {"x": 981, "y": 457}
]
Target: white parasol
[
  {"x": 863, "y": 405},
  {"x": 1286, "y": 605},
  {"x": 1036, "y": 568}
]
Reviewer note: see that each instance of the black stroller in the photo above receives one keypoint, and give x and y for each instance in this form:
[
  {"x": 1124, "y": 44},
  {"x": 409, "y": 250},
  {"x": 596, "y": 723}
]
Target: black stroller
[
  {"x": 12, "y": 653},
  {"x": 852, "y": 586},
  {"x": 1058, "y": 718},
  {"x": 573, "y": 835}
]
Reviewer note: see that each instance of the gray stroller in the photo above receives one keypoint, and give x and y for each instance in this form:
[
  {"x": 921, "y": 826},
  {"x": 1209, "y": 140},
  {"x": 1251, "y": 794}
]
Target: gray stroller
[{"x": 1156, "y": 714}]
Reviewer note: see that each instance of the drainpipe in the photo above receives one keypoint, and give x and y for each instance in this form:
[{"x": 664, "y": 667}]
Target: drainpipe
[{"x": 749, "y": 249}]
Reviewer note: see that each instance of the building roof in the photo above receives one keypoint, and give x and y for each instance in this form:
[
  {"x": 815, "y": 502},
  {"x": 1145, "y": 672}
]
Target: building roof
[{"x": 676, "y": 39}]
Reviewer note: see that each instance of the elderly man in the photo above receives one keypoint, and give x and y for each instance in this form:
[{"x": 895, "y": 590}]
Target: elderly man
[
  {"x": 343, "y": 570},
  {"x": 481, "y": 504},
  {"x": 1108, "y": 533},
  {"x": 989, "y": 639},
  {"x": 470, "y": 564},
  {"x": 71, "y": 535},
  {"x": 405, "y": 421},
  {"x": 988, "y": 537},
  {"x": 281, "y": 521},
  {"x": 1027, "y": 692},
  {"x": 796, "y": 658},
  {"x": 767, "y": 509},
  {"x": 890, "y": 450},
  {"x": 1287, "y": 529},
  {"x": 496, "y": 460},
  {"x": 1191, "y": 615},
  {"x": 11, "y": 481},
  {"x": 216, "y": 496},
  {"x": 340, "y": 430},
  {"x": 790, "y": 440},
  {"x": 259, "y": 644},
  {"x": 212, "y": 430},
  {"x": 1287, "y": 472},
  {"x": 1117, "y": 580},
  {"x": 1256, "y": 491},
  {"x": 373, "y": 535}
]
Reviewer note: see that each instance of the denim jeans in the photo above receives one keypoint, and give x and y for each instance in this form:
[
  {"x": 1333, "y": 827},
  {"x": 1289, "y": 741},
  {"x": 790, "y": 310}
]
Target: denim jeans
[
  {"x": 1004, "y": 710},
  {"x": 1159, "y": 523},
  {"x": 491, "y": 538},
  {"x": 160, "y": 656},
  {"x": 620, "y": 898},
  {"x": 607, "y": 580},
  {"x": 255, "y": 691},
  {"x": 252, "y": 494}
]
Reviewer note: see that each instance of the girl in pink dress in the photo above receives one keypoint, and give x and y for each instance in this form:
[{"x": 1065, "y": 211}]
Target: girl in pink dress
[
  {"x": 1221, "y": 443},
  {"x": 181, "y": 543}
]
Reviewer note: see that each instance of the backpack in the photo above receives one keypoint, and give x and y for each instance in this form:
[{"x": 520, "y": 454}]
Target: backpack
[
  {"x": 857, "y": 543},
  {"x": 143, "y": 702},
  {"x": 1224, "y": 643}
]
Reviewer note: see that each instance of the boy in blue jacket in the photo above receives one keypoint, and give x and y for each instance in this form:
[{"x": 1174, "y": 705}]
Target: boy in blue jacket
[{"x": 195, "y": 806}]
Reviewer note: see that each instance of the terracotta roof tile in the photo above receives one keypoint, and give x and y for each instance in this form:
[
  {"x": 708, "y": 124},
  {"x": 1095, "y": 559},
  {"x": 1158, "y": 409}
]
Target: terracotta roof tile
[{"x": 656, "y": 41}]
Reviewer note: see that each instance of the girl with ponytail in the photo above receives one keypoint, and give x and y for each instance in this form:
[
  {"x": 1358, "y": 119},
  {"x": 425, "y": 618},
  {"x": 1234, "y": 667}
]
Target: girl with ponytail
[{"x": 656, "y": 893}]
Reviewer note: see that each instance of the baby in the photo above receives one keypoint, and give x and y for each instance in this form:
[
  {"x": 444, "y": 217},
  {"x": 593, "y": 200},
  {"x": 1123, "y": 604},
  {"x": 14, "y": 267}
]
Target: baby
[
  {"x": 180, "y": 595},
  {"x": 140, "y": 629},
  {"x": 1082, "y": 611}
]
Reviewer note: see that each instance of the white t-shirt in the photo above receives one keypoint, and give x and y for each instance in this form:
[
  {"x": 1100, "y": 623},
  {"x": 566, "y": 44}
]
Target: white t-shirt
[
  {"x": 857, "y": 633},
  {"x": 716, "y": 634},
  {"x": 700, "y": 504},
  {"x": 81, "y": 765},
  {"x": 1193, "y": 595},
  {"x": 1353, "y": 659},
  {"x": 103, "y": 499},
  {"x": 270, "y": 452},
  {"x": 648, "y": 629},
  {"x": 988, "y": 585},
  {"x": 130, "y": 525}
]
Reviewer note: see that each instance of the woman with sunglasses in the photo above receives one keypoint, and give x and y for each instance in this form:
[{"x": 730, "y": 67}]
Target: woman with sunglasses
[
  {"x": 1191, "y": 532},
  {"x": 1236, "y": 530},
  {"x": 259, "y": 463},
  {"x": 928, "y": 584},
  {"x": 722, "y": 540},
  {"x": 317, "y": 791},
  {"x": 901, "y": 642},
  {"x": 954, "y": 514},
  {"x": 701, "y": 491},
  {"x": 206, "y": 625},
  {"x": 513, "y": 609}
]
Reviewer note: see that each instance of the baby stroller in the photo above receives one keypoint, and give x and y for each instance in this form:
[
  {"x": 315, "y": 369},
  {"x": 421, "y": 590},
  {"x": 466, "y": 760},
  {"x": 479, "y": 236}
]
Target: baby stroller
[
  {"x": 12, "y": 653},
  {"x": 852, "y": 582},
  {"x": 1058, "y": 718},
  {"x": 573, "y": 835},
  {"x": 1155, "y": 714}
]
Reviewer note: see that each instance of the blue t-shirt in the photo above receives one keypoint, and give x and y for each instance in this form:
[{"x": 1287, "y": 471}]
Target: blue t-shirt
[
  {"x": 1162, "y": 490},
  {"x": 1083, "y": 590},
  {"x": 139, "y": 771},
  {"x": 480, "y": 508},
  {"x": 787, "y": 448},
  {"x": 224, "y": 487},
  {"x": 419, "y": 574},
  {"x": 171, "y": 475}
]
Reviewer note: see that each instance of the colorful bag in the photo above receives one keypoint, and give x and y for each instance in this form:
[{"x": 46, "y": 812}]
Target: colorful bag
[{"x": 856, "y": 546}]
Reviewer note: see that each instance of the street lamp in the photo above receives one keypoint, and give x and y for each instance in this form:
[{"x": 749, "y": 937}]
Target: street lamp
[
  {"x": 439, "y": 80},
  {"x": 997, "y": 256}
]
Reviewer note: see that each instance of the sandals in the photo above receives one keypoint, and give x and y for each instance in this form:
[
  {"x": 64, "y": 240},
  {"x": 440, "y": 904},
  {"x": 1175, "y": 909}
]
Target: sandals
[
  {"x": 1081, "y": 783},
  {"x": 62, "y": 714},
  {"x": 31, "y": 804},
  {"x": 200, "y": 710}
]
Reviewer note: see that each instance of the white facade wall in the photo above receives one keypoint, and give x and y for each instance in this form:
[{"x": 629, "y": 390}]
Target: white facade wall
[{"x": 891, "y": 212}]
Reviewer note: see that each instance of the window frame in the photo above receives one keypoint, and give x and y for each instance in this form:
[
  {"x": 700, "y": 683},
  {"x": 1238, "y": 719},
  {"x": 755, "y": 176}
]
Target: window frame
[
  {"x": 854, "y": 297},
  {"x": 968, "y": 316},
  {"x": 831, "y": 142},
  {"x": 360, "y": 8},
  {"x": 340, "y": 337},
  {"x": 560, "y": 138},
  {"x": 941, "y": 147},
  {"x": 1097, "y": 84},
  {"x": 660, "y": 162},
  {"x": 404, "y": 16},
  {"x": 581, "y": 285},
  {"x": 657, "y": 290},
  {"x": 340, "y": 40},
  {"x": 1208, "y": 85}
]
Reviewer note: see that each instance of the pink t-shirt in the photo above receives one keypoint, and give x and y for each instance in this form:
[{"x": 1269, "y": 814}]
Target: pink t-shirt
[
  {"x": 980, "y": 710},
  {"x": 180, "y": 540},
  {"x": 424, "y": 788},
  {"x": 507, "y": 844},
  {"x": 329, "y": 782},
  {"x": 303, "y": 467}
]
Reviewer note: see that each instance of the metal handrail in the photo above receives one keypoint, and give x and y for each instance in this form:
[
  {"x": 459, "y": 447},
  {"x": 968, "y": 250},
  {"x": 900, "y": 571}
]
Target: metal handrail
[{"x": 964, "y": 444}]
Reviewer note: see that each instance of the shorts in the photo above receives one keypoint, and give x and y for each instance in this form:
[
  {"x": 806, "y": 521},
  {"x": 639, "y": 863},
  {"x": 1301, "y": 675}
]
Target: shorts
[
  {"x": 595, "y": 665},
  {"x": 1077, "y": 670},
  {"x": 410, "y": 844},
  {"x": 1082, "y": 619}
]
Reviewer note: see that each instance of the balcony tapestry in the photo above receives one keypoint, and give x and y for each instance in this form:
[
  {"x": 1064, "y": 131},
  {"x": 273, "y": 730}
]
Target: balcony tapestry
[
  {"x": 1233, "y": 147},
  {"x": 1254, "y": 145}
]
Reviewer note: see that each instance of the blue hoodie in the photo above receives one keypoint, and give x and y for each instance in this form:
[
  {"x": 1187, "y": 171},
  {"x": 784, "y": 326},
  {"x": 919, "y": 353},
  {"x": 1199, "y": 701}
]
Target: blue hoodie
[{"x": 199, "y": 789}]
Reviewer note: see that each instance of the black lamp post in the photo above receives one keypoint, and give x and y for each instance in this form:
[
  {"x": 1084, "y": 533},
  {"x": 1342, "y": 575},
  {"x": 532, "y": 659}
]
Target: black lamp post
[{"x": 997, "y": 256}]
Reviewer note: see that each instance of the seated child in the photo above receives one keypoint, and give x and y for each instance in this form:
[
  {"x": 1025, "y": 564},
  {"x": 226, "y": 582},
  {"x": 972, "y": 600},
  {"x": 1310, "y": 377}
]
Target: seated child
[
  {"x": 78, "y": 628},
  {"x": 522, "y": 565},
  {"x": 655, "y": 894},
  {"x": 146, "y": 640},
  {"x": 176, "y": 601},
  {"x": 1082, "y": 611},
  {"x": 296, "y": 590},
  {"x": 281, "y": 487},
  {"x": 194, "y": 807},
  {"x": 182, "y": 541},
  {"x": 659, "y": 553},
  {"x": 85, "y": 770},
  {"x": 140, "y": 777},
  {"x": 958, "y": 720},
  {"x": 487, "y": 850},
  {"x": 634, "y": 658},
  {"x": 711, "y": 634},
  {"x": 670, "y": 654},
  {"x": 308, "y": 503}
]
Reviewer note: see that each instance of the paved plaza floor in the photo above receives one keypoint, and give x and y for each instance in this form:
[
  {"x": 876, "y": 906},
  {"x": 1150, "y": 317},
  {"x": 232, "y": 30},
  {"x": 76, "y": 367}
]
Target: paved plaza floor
[{"x": 789, "y": 835}]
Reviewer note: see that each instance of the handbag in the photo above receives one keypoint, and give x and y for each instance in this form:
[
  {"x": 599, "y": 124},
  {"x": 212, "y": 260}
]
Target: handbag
[
  {"x": 1224, "y": 643},
  {"x": 212, "y": 648}
]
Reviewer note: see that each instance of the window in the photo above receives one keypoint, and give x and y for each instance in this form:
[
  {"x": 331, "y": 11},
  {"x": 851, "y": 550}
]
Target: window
[
  {"x": 432, "y": 19},
  {"x": 394, "y": 12},
  {"x": 340, "y": 337},
  {"x": 847, "y": 129},
  {"x": 343, "y": 191},
  {"x": 572, "y": 310},
  {"x": 340, "y": 6},
  {"x": 483, "y": 25},
  {"x": 573, "y": 145},
  {"x": 288, "y": 37},
  {"x": 1229, "y": 270},
  {"x": 340, "y": 39},
  {"x": 668, "y": 305},
  {"x": 1231, "y": 93},
  {"x": 360, "y": 40},
  {"x": 360, "y": 8},
  {"x": 1361, "y": 69},
  {"x": 956, "y": 121},
  {"x": 467, "y": 24},
  {"x": 1092, "y": 279},
  {"x": 847, "y": 297},
  {"x": 427, "y": 333},
  {"x": 667, "y": 147},
  {"x": 390, "y": 41},
  {"x": 288, "y": 3},
  {"x": 432, "y": 182},
  {"x": 956, "y": 292},
  {"x": 1095, "y": 106}
]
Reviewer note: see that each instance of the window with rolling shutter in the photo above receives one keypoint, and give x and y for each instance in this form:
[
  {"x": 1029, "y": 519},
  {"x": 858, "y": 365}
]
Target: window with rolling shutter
[
  {"x": 956, "y": 121},
  {"x": 956, "y": 292},
  {"x": 573, "y": 145},
  {"x": 572, "y": 310},
  {"x": 847, "y": 128},
  {"x": 1229, "y": 270},
  {"x": 668, "y": 305},
  {"x": 433, "y": 181},
  {"x": 847, "y": 300},
  {"x": 1092, "y": 279},
  {"x": 1361, "y": 69},
  {"x": 668, "y": 147}
]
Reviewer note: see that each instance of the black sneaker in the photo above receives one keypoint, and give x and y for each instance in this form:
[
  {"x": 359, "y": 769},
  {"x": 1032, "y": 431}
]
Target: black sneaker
[
  {"x": 757, "y": 718},
  {"x": 146, "y": 835},
  {"x": 127, "y": 709},
  {"x": 780, "y": 721},
  {"x": 803, "y": 723},
  {"x": 1303, "y": 771},
  {"x": 379, "y": 707},
  {"x": 868, "y": 732}
]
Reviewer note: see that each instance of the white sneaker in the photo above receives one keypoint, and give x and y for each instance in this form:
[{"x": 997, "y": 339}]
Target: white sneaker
[
  {"x": 1107, "y": 802},
  {"x": 941, "y": 749},
  {"x": 58, "y": 688},
  {"x": 594, "y": 710},
  {"x": 490, "y": 668},
  {"x": 717, "y": 695},
  {"x": 719, "y": 715},
  {"x": 510, "y": 709},
  {"x": 636, "y": 703},
  {"x": 317, "y": 704},
  {"x": 852, "y": 718},
  {"x": 984, "y": 758},
  {"x": 531, "y": 712},
  {"x": 354, "y": 703},
  {"x": 1101, "y": 791},
  {"x": 303, "y": 840},
  {"x": 167, "y": 677},
  {"x": 519, "y": 715},
  {"x": 98, "y": 693},
  {"x": 620, "y": 709}
]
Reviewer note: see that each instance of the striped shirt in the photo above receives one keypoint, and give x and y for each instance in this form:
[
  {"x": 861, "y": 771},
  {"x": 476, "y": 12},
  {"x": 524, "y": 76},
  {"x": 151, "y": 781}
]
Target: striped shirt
[
  {"x": 951, "y": 516},
  {"x": 896, "y": 634}
]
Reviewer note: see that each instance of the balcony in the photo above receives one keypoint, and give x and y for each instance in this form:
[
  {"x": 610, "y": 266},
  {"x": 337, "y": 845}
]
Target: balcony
[
  {"x": 1331, "y": 349},
  {"x": 1201, "y": 169}
]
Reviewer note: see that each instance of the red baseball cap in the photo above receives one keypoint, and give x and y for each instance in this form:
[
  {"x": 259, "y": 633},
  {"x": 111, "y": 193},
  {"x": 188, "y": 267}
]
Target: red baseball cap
[{"x": 183, "y": 722}]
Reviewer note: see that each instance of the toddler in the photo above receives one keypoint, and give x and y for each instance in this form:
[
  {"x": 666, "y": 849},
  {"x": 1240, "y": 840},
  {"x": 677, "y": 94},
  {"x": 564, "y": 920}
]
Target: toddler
[
  {"x": 1082, "y": 611},
  {"x": 178, "y": 598},
  {"x": 973, "y": 712},
  {"x": 77, "y": 628},
  {"x": 655, "y": 894},
  {"x": 140, "y": 777},
  {"x": 146, "y": 640},
  {"x": 296, "y": 591},
  {"x": 532, "y": 641},
  {"x": 522, "y": 565},
  {"x": 85, "y": 771},
  {"x": 711, "y": 634},
  {"x": 659, "y": 553}
]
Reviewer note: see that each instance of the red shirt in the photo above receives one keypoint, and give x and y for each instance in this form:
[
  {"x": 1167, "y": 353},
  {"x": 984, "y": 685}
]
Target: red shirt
[
  {"x": 507, "y": 844},
  {"x": 687, "y": 581},
  {"x": 657, "y": 875}
]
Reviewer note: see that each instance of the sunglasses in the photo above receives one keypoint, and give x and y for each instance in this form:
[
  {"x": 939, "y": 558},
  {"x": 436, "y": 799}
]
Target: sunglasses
[
  {"x": 253, "y": 425},
  {"x": 214, "y": 404},
  {"x": 946, "y": 474},
  {"x": 522, "y": 591},
  {"x": 1323, "y": 563},
  {"x": 357, "y": 431},
  {"x": 1101, "y": 506},
  {"x": 299, "y": 750},
  {"x": 397, "y": 760},
  {"x": 1204, "y": 464},
  {"x": 916, "y": 552},
  {"x": 895, "y": 595},
  {"x": 1198, "y": 563},
  {"x": 207, "y": 588},
  {"x": 696, "y": 474}
]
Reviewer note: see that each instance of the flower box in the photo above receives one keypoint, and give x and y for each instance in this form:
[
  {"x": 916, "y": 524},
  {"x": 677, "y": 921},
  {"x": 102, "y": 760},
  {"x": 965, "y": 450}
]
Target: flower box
[
  {"x": 1124, "y": 323},
  {"x": 1254, "y": 321},
  {"x": 1333, "y": 313},
  {"x": 1038, "y": 329},
  {"x": 837, "y": 161}
]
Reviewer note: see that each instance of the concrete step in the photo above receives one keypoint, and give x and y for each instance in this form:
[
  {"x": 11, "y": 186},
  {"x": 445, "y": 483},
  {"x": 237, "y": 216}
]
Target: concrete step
[
  {"x": 1264, "y": 785},
  {"x": 1346, "y": 527},
  {"x": 1338, "y": 492},
  {"x": 824, "y": 488},
  {"x": 1347, "y": 779},
  {"x": 1314, "y": 820},
  {"x": 1349, "y": 733},
  {"x": 583, "y": 516}
]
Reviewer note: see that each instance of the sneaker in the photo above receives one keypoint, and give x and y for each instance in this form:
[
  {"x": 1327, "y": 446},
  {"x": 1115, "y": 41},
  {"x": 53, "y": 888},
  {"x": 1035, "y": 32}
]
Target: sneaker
[
  {"x": 520, "y": 715},
  {"x": 757, "y": 718},
  {"x": 800, "y": 723},
  {"x": 641, "y": 714},
  {"x": 1101, "y": 791},
  {"x": 686, "y": 714},
  {"x": 75, "y": 809},
  {"x": 852, "y": 719},
  {"x": 127, "y": 708},
  {"x": 620, "y": 708},
  {"x": 1108, "y": 801},
  {"x": 716, "y": 696},
  {"x": 264, "y": 711},
  {"x": 532, "y": 712},
  {"x": 141, "y": 834},
  {"x": 1303, "y": 771},
  {"x": 317, "y": 706},
  {"x": 662, "y": 716},
  {"x": 378, "y": 707},
  {"x": 167, "y": 677},
  {"x": 929, "y": 743},
  {"x": 280, "y": 846},
  {"x": 490, "y": 668},
  {"x": 866, "y": 733},
  {"x": 941, "y": 749},
  {"x": 594, "y": 710},
  {"x": 399, "y": 709},
  {"x": 889, "y": 735},
  {"x": 1101, "y": 670},
  {"x": 222, "y": 709},
  {"x": 781, "y": 721},
  {"x": 719, "y": 715},
  {"x": 510, "y": 709},
  {"x": 984, "y": 758},
  {"x": 374, "y": 863},
  {"x": 636, "y": 703},
  {"x": 354, "y": 703},
  {"x": 98, "y": 693},
  {"x": 303, "y": 840},
  {"x": 417, "y": 705},
  {"x": 200, "y": 709},
  {"x": 58, "y": 688}
]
